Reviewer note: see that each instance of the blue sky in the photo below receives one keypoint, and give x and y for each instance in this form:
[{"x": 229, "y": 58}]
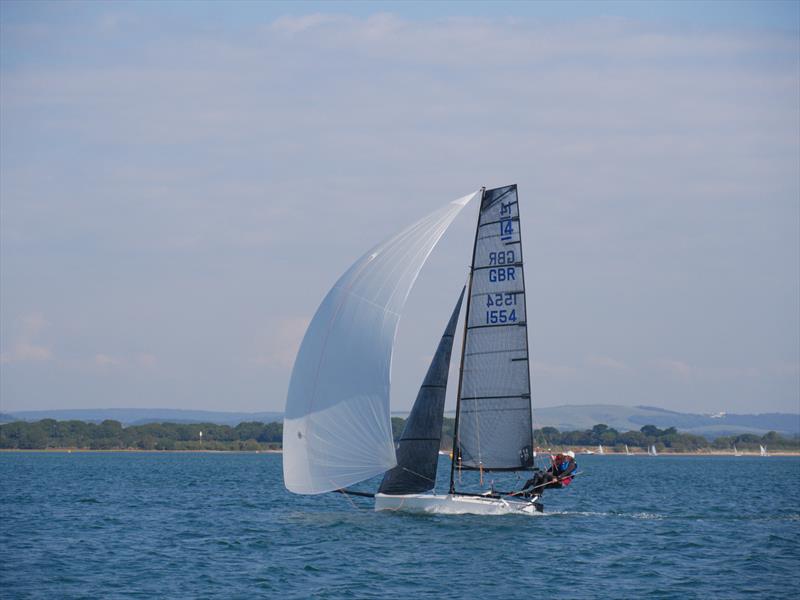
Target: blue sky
[
  {"x": 181, "y": 183},
  {"x": 778, "y": 14}
]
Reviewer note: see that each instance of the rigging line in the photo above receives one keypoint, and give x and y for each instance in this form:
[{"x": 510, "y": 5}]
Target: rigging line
[
  {"x": 418, "y": 474},
  {"x": 349, "y": 499},
  {"x": 558, "y": 480},
  {"x": 399, "y": 506}
]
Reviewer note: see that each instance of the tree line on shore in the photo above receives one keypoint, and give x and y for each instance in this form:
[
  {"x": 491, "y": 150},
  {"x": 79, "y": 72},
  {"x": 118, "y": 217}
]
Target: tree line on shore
[
  {"x": 252, "y": 436},
  {"x": 663, "y": 439}
]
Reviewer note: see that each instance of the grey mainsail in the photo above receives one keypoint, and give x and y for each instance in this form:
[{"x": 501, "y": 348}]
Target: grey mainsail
[
  {"x": 418, "y": 448},
  {"x": 494, "y": 429}
]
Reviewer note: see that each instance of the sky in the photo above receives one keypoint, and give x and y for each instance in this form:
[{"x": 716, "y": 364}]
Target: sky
[{"x": 181, "y": 183}]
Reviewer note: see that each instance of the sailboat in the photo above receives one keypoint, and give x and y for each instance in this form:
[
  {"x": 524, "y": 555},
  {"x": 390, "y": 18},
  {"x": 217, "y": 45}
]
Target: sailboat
[
  {"x": 763, "y": 450},
  {"x": 652, "y": 451},
  {"x": 337, "y": 429},
  {"x": 735, "y": 451},
  {"x": 600, "y": 449},
  {"x": 627, "y": 452}
]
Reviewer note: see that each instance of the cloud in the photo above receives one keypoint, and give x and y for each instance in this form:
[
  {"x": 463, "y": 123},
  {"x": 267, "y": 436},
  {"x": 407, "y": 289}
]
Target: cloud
[
  {"x": 24, "y": 351},
  {"x": 785, "y": 369},
  {"x": 26, "y": 348},
  {"x": 684, "y": 370},
  {"x": 606, "y": 362},
  {"x": 146, "y": 360},
  {"x": 550, "y": 370},
  {"x": 282, "y": 342},
  {"x": 674, "y": 367},
  {"x": 224, "y": 174},
  {"x": 293, "y": 25},
  {"x": 104, "y": 360},
  {"x": 141, "y": 360}
]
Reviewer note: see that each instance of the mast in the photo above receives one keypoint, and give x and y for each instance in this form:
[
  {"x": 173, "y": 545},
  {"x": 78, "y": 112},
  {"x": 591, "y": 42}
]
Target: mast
[{"x": 454, "y": 452}]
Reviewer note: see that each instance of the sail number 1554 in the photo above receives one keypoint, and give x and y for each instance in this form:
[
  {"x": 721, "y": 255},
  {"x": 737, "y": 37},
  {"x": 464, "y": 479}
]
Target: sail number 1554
[{"x": 501, "y": 315}]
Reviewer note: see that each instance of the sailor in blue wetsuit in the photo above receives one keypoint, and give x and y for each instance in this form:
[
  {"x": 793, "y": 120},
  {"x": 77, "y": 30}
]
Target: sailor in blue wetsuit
[{"x": 557, "y": 476}]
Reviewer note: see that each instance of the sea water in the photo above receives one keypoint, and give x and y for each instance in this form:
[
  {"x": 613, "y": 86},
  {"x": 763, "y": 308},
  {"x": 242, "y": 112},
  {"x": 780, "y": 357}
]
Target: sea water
[{"x": 207, "y": 525}]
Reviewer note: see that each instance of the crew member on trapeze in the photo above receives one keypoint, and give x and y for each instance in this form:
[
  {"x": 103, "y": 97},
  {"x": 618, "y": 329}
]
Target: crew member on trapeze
[{"x": 559, "y": 475}]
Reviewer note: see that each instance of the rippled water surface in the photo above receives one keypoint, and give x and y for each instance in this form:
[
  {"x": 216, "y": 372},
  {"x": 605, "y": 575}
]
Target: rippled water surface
[{"x": 97, "y": 525}]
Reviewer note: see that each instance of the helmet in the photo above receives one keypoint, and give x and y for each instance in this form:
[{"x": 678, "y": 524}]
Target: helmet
[{"x": 569, "y": 453}]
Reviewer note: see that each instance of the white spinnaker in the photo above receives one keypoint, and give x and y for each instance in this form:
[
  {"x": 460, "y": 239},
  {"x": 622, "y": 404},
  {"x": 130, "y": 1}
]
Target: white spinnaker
[{"x": 337, "y": 426}]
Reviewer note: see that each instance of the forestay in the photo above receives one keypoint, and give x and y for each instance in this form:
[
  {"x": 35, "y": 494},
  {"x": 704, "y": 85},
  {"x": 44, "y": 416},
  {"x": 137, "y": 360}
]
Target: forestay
[
  {"x": 494, "y": 416},
  {"x": 337, "y": 427}
]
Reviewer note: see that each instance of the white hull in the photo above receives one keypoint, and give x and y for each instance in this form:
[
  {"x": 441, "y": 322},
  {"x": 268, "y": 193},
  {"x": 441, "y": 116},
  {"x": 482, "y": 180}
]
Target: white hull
[{"x": 455, "y": 505}]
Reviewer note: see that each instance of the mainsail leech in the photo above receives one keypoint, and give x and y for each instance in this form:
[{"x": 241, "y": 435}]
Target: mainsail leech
[{"x": 337, "y": 426}]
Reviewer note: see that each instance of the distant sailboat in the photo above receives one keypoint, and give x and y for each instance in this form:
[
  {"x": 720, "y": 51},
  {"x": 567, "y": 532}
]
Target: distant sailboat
[
  {"x": 763, "y": 450},
  {"x": 735, "y": 451},
  {"x": 627, "y": 452},
  {"x": 600, "y": 449},
  {"x": 337, "y": 426},
  {"x": 652, "y": 451}
]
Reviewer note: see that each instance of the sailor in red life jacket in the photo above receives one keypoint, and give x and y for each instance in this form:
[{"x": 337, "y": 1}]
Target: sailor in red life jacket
[{"x": 557, "y": 476}]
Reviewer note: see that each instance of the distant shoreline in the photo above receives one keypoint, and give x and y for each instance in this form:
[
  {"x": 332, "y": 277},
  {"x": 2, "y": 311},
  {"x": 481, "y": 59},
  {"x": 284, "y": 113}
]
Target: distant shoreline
[
  {"x": 136, "y": 450},
  {"x": 199, "y": 451}
]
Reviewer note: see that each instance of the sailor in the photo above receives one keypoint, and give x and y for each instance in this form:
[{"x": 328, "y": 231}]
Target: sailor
[{"x": 559, "y": 475}]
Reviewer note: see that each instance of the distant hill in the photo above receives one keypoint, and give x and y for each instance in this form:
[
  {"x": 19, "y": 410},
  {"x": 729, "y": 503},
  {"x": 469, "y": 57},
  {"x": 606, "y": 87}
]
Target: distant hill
[
  {"x": 563, "y": 418},
  {"x": 627, "y": 418}
]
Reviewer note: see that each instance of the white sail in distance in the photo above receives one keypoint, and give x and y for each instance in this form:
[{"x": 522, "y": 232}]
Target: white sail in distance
[{"x": 337, "y": 426}]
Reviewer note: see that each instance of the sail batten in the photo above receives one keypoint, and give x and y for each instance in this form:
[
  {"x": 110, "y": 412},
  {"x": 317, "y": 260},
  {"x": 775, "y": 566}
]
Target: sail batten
[
  {"x": 337, "y": 425},
  {"x": 494, "y": 429}
]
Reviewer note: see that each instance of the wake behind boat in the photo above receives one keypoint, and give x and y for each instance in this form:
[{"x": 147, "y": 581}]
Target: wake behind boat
[{"x": 337, "y": 427}]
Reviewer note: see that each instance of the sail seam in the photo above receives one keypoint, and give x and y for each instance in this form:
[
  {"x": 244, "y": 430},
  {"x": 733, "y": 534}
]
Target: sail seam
[
  {"x": 495, "y": 397},
  {"x": 520, "y": 324},
  {"x": 499, "y": 221},
  {"x": 495, "y": 352},
  {"x": 515, "y": 264},
  {"x": 495, "y": 409}
]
